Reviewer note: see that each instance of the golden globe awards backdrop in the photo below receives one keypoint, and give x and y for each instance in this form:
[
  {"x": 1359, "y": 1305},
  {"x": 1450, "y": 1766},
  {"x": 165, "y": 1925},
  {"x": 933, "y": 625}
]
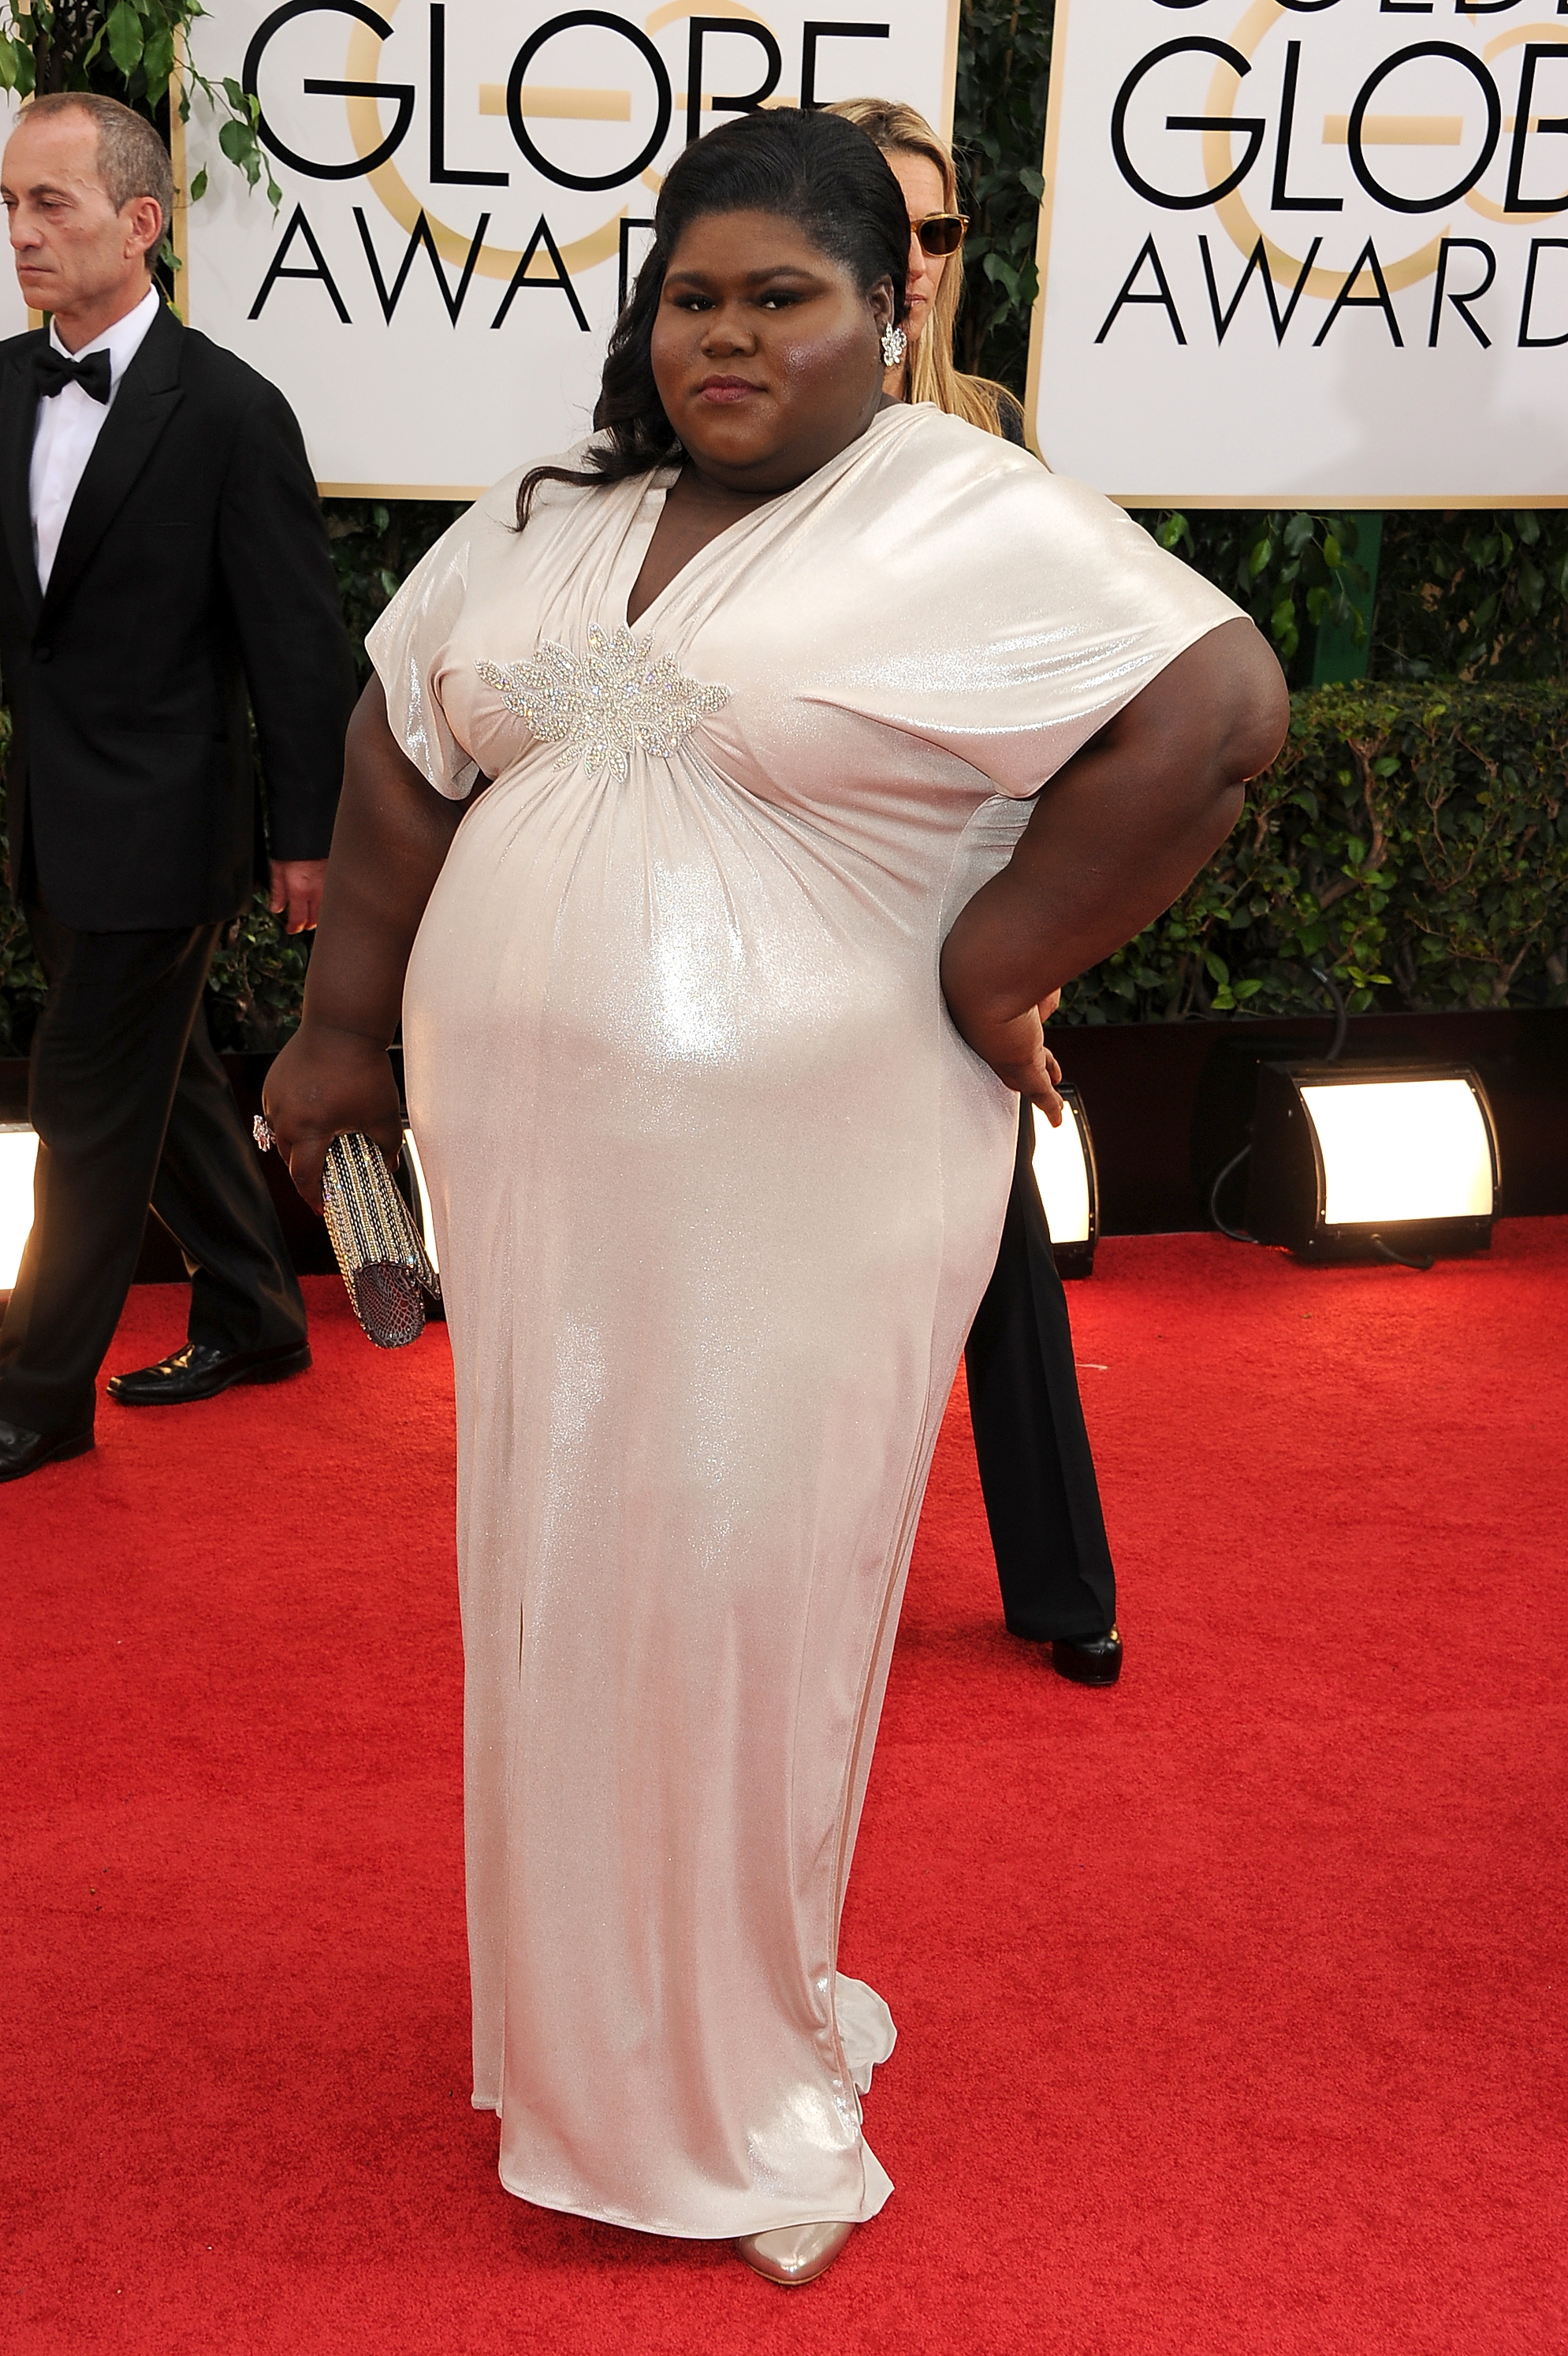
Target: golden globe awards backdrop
[
  {"x": 1307, "y": 252},
  {"x": 466, "y": 187}
]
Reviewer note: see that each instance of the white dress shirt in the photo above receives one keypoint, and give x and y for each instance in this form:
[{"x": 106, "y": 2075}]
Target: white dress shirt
[{"x": 69, "y": 423}]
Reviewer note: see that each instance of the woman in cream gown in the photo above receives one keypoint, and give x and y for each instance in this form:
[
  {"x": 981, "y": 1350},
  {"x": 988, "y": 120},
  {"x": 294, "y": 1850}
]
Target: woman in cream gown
[{"x": 718, "y": 1186}]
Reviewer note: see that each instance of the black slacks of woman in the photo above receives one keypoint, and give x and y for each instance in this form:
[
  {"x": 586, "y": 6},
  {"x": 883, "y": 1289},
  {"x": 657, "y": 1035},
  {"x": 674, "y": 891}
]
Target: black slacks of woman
[
  {"x": 133, "y": 1107},
  {"x": 1037, "y": 1472}
]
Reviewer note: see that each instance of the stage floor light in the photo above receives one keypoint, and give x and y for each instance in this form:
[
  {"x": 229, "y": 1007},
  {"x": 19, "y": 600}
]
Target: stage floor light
[
  {"x": 1359, "y": 1161},
  {"x": 18, "y": 1153},
  {"x": 1069, "y": 1186}
]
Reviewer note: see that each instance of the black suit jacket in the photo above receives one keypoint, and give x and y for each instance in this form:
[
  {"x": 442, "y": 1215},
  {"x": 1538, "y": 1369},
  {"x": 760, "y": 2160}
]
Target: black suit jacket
[{"x": 193, "y": 575}]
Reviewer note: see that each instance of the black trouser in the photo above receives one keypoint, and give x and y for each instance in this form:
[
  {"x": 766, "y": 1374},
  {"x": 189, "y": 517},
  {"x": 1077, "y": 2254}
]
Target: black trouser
[
  {"x": 133, "y": 1107},
  {"x": 1037, "y": 1472}
]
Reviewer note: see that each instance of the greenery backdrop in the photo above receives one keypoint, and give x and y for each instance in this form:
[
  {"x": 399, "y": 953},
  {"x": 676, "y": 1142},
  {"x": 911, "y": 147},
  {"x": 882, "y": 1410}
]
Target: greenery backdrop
[{"x": 1413, "y": 834}]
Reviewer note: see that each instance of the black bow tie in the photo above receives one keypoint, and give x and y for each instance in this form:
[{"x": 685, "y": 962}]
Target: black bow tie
[{"x": 54, "y": 372}]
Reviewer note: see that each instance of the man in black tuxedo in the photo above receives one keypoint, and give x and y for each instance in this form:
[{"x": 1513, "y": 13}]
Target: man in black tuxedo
[{"x": 164, "y": 573}]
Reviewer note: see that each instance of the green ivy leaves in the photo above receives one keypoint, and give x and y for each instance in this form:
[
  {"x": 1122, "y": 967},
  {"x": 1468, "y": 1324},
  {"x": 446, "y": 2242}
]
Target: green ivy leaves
[
  {"x": 122, "y": 33},
  {"x": 1290, "y": 573},
  {"x": 55, "y": 46},
  {"x": 241, "y": 140},
  {"x": 16, "y": 66}
]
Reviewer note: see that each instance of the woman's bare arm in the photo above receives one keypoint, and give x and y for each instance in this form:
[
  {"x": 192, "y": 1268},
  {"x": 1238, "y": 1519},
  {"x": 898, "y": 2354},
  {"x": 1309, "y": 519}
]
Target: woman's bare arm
[
  {"x": 1115, "y": 838},
  {"x": 392, "y": 835}
]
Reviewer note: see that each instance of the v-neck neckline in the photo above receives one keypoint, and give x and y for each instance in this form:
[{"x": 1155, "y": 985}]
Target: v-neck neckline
[
  {"x": 662, "y": 480},
  {"x": 645, "y": 540}
]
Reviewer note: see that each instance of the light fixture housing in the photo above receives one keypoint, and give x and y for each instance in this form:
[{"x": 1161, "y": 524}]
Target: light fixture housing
[
  {"x": 1373, "y": 1161},
  {"x": 18, "y": 1158},
  {"x": 1069, "y": 1185}
]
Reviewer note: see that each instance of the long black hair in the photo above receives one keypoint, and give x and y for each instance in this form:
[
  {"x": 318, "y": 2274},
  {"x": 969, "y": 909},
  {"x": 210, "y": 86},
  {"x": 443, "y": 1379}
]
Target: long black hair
[{"x": 817, "y": 170}]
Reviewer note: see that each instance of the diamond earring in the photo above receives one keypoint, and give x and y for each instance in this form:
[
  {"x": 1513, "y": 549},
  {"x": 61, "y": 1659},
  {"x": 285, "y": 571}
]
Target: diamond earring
[{"x": 895, "y": 343}]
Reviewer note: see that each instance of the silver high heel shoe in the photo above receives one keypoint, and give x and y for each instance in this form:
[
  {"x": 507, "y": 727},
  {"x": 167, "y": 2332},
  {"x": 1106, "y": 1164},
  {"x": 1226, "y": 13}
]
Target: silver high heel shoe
[{"x": 794, "y": 2253}]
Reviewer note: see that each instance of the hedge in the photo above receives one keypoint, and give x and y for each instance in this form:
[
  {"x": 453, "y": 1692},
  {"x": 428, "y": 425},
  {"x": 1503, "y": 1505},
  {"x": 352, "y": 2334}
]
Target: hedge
[{"x": 1413, "y": 839}]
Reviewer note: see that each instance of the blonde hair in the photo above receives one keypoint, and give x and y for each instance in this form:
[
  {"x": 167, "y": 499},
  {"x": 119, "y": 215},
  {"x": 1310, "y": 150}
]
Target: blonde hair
[{"x": 900, "y": 129}]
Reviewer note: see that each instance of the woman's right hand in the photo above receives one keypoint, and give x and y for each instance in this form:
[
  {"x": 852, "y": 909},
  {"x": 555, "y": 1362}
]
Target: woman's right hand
[
  {"x": 324, "y": 1082},
  {"x": 1010, "y": 1038}
]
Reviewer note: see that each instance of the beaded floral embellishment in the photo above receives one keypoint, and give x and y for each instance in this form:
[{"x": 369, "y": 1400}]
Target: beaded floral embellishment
[{"x": 600, "y": 705}]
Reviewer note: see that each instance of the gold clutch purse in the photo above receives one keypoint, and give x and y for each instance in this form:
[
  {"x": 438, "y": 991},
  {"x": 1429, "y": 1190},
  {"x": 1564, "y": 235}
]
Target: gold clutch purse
[{"x": 379, "y": 1250}]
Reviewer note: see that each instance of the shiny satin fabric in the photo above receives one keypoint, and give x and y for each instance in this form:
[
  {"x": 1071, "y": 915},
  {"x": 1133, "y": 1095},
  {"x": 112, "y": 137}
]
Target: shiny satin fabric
[{"x": 718, "y": 1188}]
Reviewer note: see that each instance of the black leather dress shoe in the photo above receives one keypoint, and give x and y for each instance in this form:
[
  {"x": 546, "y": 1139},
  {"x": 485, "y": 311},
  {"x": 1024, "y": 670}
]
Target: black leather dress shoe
[
  {"x": 1098, "y": 1663},
  {"x": 200, "y": 1371},
  {"x": 22, "y": 1450}
]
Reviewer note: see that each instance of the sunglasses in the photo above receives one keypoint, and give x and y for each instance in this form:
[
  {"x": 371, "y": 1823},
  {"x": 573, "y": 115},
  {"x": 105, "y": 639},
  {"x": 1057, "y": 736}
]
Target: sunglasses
[{"x": 941, "y": 233}]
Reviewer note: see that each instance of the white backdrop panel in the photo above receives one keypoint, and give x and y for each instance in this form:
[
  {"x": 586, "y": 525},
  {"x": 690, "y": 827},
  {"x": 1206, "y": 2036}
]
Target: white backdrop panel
[
  {"x": 14, "y": 318},
  {"x": 532, "y": 141},
  {"x": 1432, "y": 136}
]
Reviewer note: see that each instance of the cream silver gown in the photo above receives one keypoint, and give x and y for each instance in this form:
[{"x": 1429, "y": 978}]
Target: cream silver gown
[{"x": 717, "y": 1188}]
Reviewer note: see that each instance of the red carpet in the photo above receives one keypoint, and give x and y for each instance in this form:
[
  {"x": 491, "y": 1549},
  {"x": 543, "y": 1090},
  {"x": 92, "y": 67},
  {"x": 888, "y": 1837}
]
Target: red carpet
[{"x": 1232, "y": 2002}]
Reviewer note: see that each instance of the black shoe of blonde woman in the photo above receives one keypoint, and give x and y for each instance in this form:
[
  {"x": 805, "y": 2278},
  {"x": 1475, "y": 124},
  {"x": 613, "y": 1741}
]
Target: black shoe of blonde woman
[{"x": 794, "y": 2253}]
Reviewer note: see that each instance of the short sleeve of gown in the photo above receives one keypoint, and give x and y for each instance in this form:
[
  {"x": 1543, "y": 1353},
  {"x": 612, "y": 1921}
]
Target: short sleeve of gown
[
  {"x": 407, "y": 639},
  {"x": 1029, "y": 609}
]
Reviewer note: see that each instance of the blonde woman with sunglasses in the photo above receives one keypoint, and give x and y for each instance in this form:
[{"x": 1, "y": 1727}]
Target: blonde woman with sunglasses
[
  {"x": 923, "y": 167},
  {"x": 1037, "y": 1470}
]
